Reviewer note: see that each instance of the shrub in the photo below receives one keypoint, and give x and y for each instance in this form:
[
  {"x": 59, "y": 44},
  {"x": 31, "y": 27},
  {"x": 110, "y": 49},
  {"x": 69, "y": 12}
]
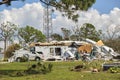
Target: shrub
[
  {"x": 9, "y": 52},
  {"x": 23, "y": 59},
  {"x": 39, "y": 68},
  {"x": 114, "y": 70}
]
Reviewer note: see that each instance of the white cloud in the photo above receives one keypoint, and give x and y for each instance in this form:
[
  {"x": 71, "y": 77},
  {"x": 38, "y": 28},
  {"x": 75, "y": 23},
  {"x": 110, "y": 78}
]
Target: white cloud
[
  {"x": 32, "y": 14},
  {"x": 100, "y": 21}
]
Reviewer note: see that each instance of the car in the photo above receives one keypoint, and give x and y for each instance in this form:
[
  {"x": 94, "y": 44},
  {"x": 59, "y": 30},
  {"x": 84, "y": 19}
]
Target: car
[{"x": 25, "y": 55}]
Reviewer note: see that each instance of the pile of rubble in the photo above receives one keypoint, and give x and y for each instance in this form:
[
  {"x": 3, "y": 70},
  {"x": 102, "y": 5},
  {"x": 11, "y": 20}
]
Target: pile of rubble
[{"x": 90, "y": 50}]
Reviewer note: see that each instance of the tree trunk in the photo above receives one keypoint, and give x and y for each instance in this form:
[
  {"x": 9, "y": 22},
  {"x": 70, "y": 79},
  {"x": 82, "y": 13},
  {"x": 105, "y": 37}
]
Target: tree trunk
[{"x": 5, "y": 46}]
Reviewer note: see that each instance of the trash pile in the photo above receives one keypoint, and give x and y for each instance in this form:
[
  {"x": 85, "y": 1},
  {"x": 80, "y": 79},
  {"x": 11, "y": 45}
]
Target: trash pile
[{"x": 89, "y": 50}]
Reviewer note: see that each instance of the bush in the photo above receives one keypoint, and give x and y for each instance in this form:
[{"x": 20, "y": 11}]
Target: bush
[
  {"x": 114, "y": 70},
  {"x": 9, "y": 52},
  {"x": 23, "y": 59},
  {"x": 39, "y": 68}
]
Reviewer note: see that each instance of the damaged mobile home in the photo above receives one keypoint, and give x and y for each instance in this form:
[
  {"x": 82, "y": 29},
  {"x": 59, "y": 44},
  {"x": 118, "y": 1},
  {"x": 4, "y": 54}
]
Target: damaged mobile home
[
  {"x": 66, "y": 50},
  {"x": 63, "y": 49},
  {"x": 101, "y": 51}
]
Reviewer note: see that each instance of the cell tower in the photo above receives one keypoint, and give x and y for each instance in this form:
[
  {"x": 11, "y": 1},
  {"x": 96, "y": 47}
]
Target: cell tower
[{"x": 47, "y": 22}]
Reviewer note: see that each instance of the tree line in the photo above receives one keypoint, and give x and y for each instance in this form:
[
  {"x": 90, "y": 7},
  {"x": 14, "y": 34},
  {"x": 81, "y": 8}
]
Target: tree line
[{"x": 28, "y": 34}]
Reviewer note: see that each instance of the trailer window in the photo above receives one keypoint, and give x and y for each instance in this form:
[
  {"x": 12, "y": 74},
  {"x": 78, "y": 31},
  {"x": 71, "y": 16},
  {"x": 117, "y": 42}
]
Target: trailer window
[
  {"x": 51, "y": 50},
  {"x": 58, "y": 51},
  {"x": 40, "y": 52},
  {"x": 32, "y": 49}
]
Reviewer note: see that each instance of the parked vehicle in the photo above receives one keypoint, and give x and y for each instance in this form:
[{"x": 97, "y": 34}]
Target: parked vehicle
[{"x": 25, "y": 55}]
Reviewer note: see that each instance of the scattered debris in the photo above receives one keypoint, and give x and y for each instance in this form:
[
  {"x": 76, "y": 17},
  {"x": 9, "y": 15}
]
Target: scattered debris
[
  {"x": 77, "y": 68},
  {"x": 107, "y": 66},
  {"x": 95, "y": 70}
]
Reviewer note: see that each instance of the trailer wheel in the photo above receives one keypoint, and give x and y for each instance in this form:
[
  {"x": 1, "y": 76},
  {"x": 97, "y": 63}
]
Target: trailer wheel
[
  {"x": 37, "y": 59},
  {"x": 18, "y": 59}
]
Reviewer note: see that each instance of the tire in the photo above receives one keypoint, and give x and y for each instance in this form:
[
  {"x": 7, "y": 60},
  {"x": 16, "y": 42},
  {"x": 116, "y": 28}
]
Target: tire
[
  {"x": 37, "y": 59},
  {"x": 18, "y": 59}
]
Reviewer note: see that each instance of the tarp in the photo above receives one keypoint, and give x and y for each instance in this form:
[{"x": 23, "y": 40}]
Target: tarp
[
  {"x": 85, "y": 47},
  {"x": 32, "y": 44},
  {"x": 100, "y": 43}
]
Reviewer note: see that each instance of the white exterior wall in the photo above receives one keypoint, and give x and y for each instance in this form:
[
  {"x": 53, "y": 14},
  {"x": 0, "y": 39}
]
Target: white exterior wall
[{"x": 46, "y": 50}]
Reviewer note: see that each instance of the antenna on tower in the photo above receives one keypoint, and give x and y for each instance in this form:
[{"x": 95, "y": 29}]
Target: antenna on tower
[{"x": 47, "y": 21}]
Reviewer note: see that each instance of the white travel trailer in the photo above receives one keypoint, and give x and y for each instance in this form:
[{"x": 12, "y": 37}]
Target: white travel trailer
[{"x": 53, "y": 50}]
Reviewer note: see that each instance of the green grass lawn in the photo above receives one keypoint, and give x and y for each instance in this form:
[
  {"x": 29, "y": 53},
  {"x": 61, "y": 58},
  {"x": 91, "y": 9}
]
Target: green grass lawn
[{"x": 60, "y": 71}]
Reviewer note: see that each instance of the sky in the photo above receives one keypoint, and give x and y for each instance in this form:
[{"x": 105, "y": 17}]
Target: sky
[
  {"x": 103, "y": 6},
  {"x": 104, "y": 14}
]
